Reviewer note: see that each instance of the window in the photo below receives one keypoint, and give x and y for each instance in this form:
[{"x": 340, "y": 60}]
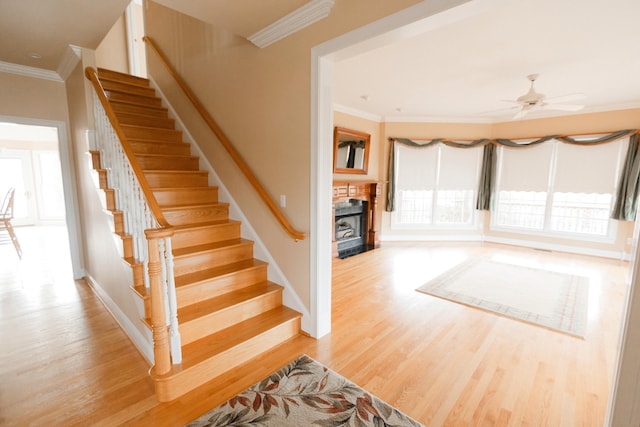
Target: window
[
  {"x": 558, "y": 188},
  {"x": 436, "y": 186}
]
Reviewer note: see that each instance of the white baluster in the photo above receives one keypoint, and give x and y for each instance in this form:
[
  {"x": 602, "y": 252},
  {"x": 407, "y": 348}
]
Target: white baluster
[
  {"x": 137, "y": 217},
  {"x": 176, "y": 345}
]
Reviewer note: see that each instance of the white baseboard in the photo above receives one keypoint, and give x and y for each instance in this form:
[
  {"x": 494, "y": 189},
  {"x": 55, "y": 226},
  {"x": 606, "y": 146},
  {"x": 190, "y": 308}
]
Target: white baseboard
[
  {"x": 514, "y": 242},
  {"x": 557, "y": 247},
  {"x": 144, "y": 346},
  {"x": 431, "y": 238}
]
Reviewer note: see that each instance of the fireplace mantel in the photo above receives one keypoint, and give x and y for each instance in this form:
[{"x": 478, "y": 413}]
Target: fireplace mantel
[{"x": 367, "y": 191}]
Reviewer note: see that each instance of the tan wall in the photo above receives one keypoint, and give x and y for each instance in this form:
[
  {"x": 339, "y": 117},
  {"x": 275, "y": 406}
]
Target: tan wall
[
  {"x": 22, "y": 96},
  {"x": 568, "y": 125},
  {"x": 261, "y": 99},
  {"x": 112, "y": 51},
  {"x": 102, "y": 259}
]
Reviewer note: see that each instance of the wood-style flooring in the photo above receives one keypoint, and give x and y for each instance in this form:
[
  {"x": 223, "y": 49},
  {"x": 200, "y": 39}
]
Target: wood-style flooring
[{"x": 65, "y": 361}]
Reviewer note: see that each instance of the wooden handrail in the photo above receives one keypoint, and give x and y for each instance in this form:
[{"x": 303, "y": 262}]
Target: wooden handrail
[
  {"x": 92, "y": 75},
  {"x": 237, "y": 158}
]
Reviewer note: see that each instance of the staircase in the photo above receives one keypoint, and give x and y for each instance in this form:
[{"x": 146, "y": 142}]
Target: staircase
[{"x": 228, "y": 311}]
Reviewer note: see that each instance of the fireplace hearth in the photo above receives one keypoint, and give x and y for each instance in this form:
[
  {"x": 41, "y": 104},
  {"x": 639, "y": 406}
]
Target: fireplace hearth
[{"x": 350, "y": 227}]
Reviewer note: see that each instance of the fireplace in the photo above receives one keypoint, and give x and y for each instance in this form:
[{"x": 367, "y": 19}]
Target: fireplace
[
  {"x": 351, "y": 227},
  {"x": 354, "y": 217}
]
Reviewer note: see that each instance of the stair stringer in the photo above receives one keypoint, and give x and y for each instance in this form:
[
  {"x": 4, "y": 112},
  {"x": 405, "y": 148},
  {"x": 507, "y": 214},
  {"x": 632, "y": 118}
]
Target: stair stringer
[{"x": 290, "y": 297}]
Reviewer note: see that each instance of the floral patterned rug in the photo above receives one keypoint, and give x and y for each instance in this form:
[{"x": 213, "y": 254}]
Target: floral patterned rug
[{"x": 304, "y": 393}]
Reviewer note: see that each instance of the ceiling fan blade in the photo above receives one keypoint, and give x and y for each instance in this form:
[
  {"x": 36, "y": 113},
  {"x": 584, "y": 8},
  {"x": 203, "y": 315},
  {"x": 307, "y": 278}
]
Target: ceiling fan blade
[
  {"x": 566, "y": 98},
  {"x": 563, "y": 107},
  {"x": 520, "y": 114},
  {"x": 499, "y": 110}
]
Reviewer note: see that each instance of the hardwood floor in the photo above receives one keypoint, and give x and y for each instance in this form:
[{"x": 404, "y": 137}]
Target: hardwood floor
[{"x": 65, "y": 361}]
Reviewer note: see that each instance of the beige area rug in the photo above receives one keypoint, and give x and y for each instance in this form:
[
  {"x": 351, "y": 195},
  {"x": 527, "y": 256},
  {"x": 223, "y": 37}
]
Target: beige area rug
[
  {"x": 304, "y": 393},
  {"x": 547, "y": 298}
]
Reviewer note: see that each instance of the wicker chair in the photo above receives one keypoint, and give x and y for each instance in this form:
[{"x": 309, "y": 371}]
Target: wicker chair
[{"x": 6, "y": 215}]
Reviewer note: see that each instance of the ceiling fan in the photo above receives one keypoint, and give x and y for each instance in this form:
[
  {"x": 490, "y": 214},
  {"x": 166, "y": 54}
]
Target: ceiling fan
[{"x": 532, "y": 101}]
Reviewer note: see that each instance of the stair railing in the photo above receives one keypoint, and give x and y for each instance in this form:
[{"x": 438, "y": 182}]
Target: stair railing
[
  {"x": 228, "y": 146},
  {"x": 144, "y": 221}
]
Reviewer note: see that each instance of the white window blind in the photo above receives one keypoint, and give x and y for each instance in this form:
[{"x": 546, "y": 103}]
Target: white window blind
[
  {"x": 557, "y": 187},
  {"x": 435, "y": 186},
  {"x": 459, "y": 168},
  {"x": 581, "y": 169},
  {"x": 525, "y": 169},
  {"x": 417, "y": 169}
]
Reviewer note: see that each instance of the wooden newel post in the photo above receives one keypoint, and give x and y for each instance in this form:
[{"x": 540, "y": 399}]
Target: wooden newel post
[{"x": 161, "y": 348}]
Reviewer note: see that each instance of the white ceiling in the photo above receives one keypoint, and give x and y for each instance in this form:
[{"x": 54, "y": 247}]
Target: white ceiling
[
  {"x": 48, "y": 27},
  {"x": 466, "y": 69},
  {"x": 455, "y": 73}
]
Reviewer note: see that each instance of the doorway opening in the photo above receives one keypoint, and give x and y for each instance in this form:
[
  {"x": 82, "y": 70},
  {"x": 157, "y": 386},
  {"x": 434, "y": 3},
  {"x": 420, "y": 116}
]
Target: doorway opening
[
  {"x": 35, "y": 160},
  {"x": 30, "y": 163}
]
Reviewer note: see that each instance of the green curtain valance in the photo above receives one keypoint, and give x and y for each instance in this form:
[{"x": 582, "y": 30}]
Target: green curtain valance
[{"x": 628, "y": 189}]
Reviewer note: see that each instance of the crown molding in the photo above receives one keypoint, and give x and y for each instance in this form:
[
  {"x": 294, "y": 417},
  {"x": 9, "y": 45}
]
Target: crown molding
[
  {"x": 24, "y": 70},
  {"x": 480, "y": 120},
  {"x": 69, "y": 61},
  {"x": 357, "y": 113},
  {"x": 300, "y": 18},
  {"x": 436, "y": 119}
]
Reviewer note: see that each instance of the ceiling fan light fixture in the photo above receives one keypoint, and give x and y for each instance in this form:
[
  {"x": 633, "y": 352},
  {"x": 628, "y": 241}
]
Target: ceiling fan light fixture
[{"x": 533, "y": 101}]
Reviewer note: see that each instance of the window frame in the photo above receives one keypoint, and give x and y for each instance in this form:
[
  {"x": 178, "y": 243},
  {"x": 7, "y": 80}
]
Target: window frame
[
  {"x": 474, "y": 222},
  {"x": 547, "y": 231}
]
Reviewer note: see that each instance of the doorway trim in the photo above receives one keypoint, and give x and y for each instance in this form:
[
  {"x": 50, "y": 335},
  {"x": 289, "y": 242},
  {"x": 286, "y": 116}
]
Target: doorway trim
[{"x": 68, "y": 186}]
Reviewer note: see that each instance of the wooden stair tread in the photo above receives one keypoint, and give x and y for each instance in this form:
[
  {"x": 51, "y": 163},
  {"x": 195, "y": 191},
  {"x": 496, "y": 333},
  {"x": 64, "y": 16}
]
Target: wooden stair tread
[
  {"x": 130, "y": 88},
  {"x": 203, "y": 275},
  {"x": 107, "y": 74},
  {"x": 132, "y": 94},
  {"x": 153, "y": 141},
  {"x": 214, "y": 344},
  {"x": 203, "y": 224},
  {"x": 199, "y": 276},
  {"x": 170, "y": 172},
  {"x": 141, "y": 290},
  {"x": 133, "y": 104},
  {"x": 141, "y": 119},
  {"x": 169, "y": 156},
  {"x": 176, "y": 171},
  {"x": 210, "y": 246},
  {"x": 222, "y": 302},
  {"x": 137, "y": 139},
  {"x": 145, "y": 84},
  {"x": 187, "y": 189},
  {"x": 134, "y": 127},
  {"x": 198, "y": 206},
  {"x": 129, "y": 125},
  {"x": 159, "y": 178}
]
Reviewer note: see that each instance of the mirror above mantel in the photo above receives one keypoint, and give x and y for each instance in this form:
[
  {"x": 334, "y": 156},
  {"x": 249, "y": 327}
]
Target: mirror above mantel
[{"x": 350, "y": 151}]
